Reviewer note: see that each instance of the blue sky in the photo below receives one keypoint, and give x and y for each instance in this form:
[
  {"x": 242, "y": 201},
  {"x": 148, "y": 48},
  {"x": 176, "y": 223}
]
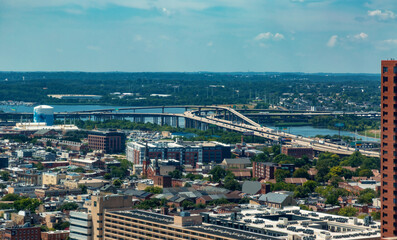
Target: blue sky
[{"x": 197, "y": 35}]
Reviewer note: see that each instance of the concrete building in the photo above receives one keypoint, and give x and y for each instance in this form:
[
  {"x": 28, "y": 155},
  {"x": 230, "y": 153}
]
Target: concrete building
[
  {"x": 297, "y": 151},
  {"x": 46, "y": 156},
  {"x": 388, "y": 148},
  {"x": 52, "y": 178},
  {"x": 99, "y": 205},
  {"x": 3, "y": 161},
  {"x": 236, "y": 163},
  {"x": 109, "y": 142},
  {"x": 22, "y": 232},
  {"x": 21, "y": 189},
  {"x": 80, "y": 226},
  {"x": 91, "y": 183},
  {"x": 189, "y": 153},
  {"x": 252, "y": 222},
  {"x": 263, "y": 170},
  {"x": 55, "y": 235},
  {"x": 138, "y": 224},
  {"x": 30, "y": 178}
]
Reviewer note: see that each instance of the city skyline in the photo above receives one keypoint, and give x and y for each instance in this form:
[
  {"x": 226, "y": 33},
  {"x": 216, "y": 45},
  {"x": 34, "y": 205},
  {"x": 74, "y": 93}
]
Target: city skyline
[{"x": 220, "y": 36}]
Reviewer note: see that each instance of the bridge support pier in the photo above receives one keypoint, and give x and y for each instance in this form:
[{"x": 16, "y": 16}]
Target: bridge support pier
[{"x": 176, "y": 122}]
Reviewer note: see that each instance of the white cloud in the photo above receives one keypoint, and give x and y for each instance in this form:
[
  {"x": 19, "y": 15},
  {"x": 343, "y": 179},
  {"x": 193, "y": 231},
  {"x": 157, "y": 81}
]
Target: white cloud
[
  {"x": 167, "y": 5},
  {"x": 269, "y": 35},
  {"x": 382, "y": 15},
  {"x": 166, "y": 11},
  {"x": 278, "y": 36},
  {"x": 391, "y": 41},
  {"x": 361, "y": 36},
  {"x": 210, "y": 44},
  {"x": 332, "y": 41},
  {"x": 387, "y": 44}
]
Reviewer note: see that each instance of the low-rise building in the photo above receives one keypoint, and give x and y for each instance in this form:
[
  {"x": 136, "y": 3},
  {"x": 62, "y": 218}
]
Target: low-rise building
[
  {"x": 90, "y": 183},
  {"x": 297, "y": 151},
  {"x": 30, "y": 178},
  {"x": 52, "y": 178},
  {"x": 55, "y": 235},
  {"x": 263, "y": 170},
  {"x": 22, "y": 232},
  {"x": 277, "y": 199}
]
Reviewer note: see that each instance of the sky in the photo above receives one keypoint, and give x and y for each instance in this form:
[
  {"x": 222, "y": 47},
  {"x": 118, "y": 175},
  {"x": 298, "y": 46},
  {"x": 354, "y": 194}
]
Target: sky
[{"x": 333, "y": 36}]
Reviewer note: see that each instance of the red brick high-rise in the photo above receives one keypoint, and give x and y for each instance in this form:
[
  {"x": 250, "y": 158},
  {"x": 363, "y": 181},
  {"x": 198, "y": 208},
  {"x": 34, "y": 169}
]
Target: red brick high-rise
[{"x": 389, "y": 148}]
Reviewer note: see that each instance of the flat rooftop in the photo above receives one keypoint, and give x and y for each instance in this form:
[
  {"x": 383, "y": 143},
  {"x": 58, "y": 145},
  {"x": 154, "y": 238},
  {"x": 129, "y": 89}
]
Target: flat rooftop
[
  {"x": 205, "y": 228},
  {"x": 294, "y": 221}
]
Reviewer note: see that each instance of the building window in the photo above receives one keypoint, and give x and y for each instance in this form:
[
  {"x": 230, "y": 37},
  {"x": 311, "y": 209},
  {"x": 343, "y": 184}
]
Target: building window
[
  {"x": 385, "y": 69},
  {"x": 385, "y": 79},
  {"x": 395, "y": 69}
]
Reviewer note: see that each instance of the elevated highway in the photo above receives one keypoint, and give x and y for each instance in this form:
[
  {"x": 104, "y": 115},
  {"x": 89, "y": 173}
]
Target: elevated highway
[
  {"x": 195, "y": 119},
  {"x": 270, "y": 134}
]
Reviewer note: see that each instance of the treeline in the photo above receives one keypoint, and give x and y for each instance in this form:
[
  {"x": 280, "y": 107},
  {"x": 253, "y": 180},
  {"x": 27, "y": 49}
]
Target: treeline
[
  {"x": 192, "y": 88},
  {"x": 350, "y": 123}
]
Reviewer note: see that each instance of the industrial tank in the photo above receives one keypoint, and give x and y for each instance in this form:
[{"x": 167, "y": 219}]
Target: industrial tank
[{"x": 44, "y": 113}]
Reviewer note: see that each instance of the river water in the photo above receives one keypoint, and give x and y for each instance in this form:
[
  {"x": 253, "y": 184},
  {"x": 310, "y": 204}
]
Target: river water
[
  {"x": 310, "y": 131},
  {"x": 306, "y": 131}
]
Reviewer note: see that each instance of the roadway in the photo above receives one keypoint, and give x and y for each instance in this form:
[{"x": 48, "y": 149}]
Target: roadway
[
  {"x": 247, "y": 126},
  {"x": 271, "y": 134}
]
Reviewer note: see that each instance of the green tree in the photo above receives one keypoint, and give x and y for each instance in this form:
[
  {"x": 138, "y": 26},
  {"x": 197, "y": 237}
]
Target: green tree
[
  {"x": 262, "y": 157},
  {"x": 300, "y": 173},
  {"x": 300, "y": 192},
  {"x": 83, "y": 188},
  {"x": 365, "y": 173},
  {"x": 281, "y": 174},
  {"x": 348, "y": 211},
  {"x": 332, "y": 199},
  {"x": 11, "y": 197},
  {"x": 187, "y": 204},
  {"x": 217, "y": 173},
  {"x": 79, "y": 170},
  {"x": 335, "y": 171},
  {"x": 310, "y": 185},
  {"x": 107, "y": 176},
  {"x": 39, "y": 166},
  {"x": 154, "y": 190},
  {"x": 61, "y": 225},
  {"x": 5, "y": 176},
  {"x": 26, "y": 204},
  {"x": 177, "y": 174},
  {"x": 68, "y": 206},
  {"x": 366, "y": 196},
  {"x": 117, "y": 183},
  {"x": 375, "y": 216}
]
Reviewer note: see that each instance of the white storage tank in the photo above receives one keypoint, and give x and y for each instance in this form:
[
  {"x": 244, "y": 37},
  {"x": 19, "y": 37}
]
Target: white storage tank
[{"x": 44, "y": 113}]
